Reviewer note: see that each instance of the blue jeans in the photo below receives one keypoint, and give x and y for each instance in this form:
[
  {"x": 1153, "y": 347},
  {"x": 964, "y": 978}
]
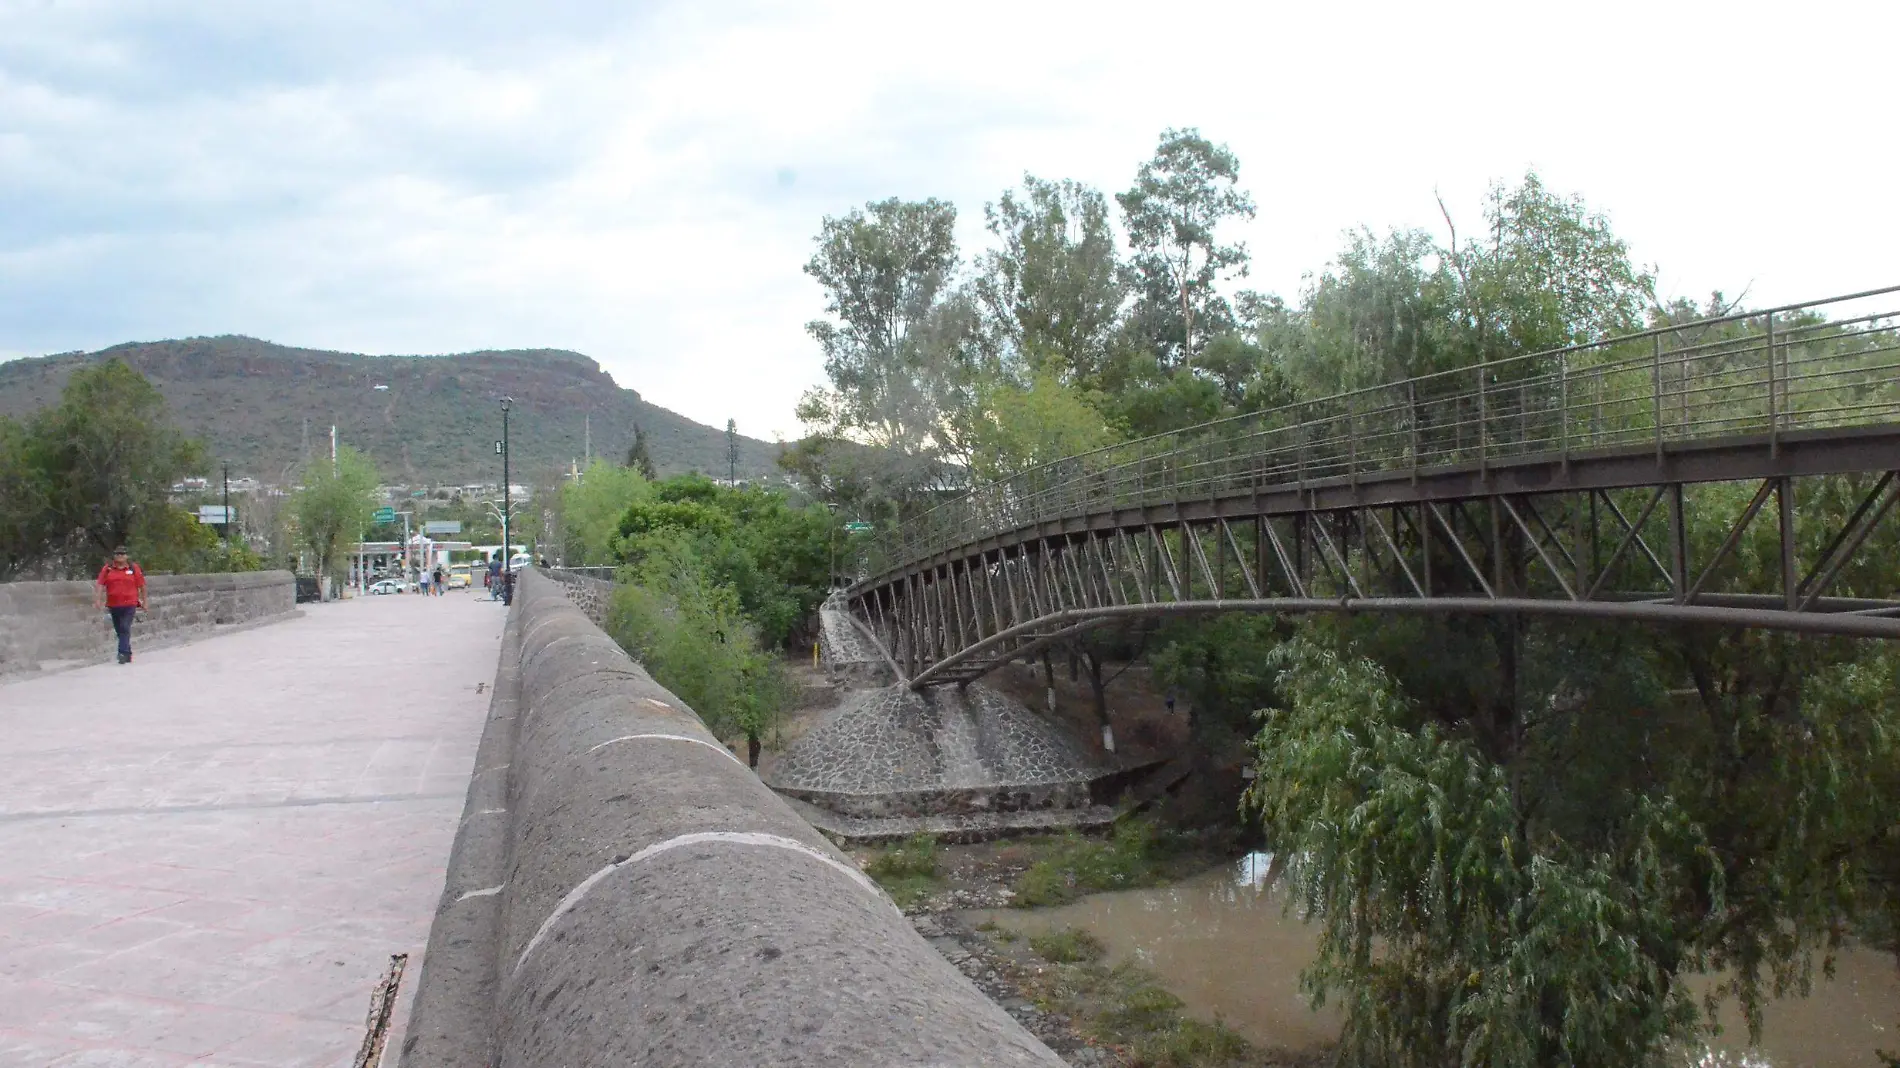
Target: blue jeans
[{"x": 122, "y": 624}]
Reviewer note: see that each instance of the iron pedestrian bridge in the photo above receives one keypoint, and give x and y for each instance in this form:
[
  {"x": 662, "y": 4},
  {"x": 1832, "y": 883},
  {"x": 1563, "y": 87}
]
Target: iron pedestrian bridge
[{"x": 1629, "y": 479}]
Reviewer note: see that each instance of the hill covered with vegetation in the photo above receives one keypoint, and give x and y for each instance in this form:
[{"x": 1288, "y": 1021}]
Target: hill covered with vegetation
[{"x": 436, "y": 422}]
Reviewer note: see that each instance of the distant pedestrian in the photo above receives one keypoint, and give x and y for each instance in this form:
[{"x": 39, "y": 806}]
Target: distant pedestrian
[
  {"x": 441, "y": 582},
  {"x": 495, "y": 581},
  {"x": 424, "y": 583},
  {"x": 121, "y": 592}
]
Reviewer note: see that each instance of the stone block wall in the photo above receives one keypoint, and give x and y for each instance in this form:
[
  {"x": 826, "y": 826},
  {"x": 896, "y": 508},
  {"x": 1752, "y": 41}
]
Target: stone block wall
[
  {"x": 53, "y": 624},
  {"x": 623, "y": 890},
  {"x": 586, "y": 592}
]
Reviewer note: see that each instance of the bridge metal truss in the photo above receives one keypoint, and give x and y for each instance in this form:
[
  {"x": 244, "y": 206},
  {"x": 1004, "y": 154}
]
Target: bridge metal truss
[
  {"x": 1587, "y": 545},
  {"x": 1446, "y": 494}
]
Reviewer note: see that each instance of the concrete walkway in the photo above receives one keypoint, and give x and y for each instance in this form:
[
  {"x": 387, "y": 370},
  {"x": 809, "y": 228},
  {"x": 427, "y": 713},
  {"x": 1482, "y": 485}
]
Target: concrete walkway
[{"x": 208, "y": 856}]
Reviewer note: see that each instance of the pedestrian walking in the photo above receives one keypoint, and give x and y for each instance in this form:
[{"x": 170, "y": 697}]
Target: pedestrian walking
[
  {"x": 495, "y": 581},
  {"x": 424, "y": 582},
  {"x": 441, "y": 582},
  {"x": 120, "y": 590}
]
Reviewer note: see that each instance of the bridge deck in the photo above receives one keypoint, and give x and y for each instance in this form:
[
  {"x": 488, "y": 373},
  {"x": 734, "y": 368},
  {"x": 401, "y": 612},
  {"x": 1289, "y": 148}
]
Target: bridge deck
[{"x": 208, "y": 856}]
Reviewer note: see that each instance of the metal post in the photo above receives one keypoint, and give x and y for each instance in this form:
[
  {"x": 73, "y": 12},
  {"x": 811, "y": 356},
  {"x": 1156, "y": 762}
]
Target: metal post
[
  {"x": 227, "y": 508},
  {"x": 1563, "y": 407},
  {"x": 507, "y": 548},
  {"x": 1774, "y": 402},
  {"x": 1656, "y": 384},
  {"x": 1679, "y": 545},
  {"x": 1784, "y": 504},
  {"x": 1483, "y": 425}
]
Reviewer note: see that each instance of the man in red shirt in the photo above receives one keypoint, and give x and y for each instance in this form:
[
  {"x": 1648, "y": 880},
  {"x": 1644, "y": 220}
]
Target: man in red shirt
[{"x": 121, "y": 591}]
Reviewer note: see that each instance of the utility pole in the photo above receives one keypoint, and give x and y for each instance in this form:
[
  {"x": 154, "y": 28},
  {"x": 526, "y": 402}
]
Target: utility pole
[
  {"x": 227, "y": 508},
  {"x": 732, "y": 453},
  {"x": 587, "y": 438},
  {"x": 333, "y": 448}
]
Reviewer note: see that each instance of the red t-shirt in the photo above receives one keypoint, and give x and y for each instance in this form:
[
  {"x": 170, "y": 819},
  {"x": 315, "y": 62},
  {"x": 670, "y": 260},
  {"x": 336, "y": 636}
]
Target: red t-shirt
[{"x": 123, "y": 585}]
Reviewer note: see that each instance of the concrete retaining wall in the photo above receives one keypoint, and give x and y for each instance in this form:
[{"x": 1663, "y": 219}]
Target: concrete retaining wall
[
  {"x": 53, "y": 624},
  {"x": 624, "y": 891}
]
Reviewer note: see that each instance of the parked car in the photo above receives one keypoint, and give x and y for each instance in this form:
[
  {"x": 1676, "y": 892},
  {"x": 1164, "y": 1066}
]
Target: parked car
[
  {"x": 388, "y": 586},
  {"x": 459, "y": 578}
]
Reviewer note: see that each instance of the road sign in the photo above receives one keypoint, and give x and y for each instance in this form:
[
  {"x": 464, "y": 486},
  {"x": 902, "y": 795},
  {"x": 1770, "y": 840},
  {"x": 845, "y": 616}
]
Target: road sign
[
  {"x": 384, "y": 515},
  {"x": 442, "y": 526},
  {"x": 214, "y": 514},
  {"x": 856, "y": 527}
]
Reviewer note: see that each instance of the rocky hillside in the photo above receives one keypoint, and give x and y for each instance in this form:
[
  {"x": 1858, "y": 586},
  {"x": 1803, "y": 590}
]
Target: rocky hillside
[{"x": 437, "y": 421}]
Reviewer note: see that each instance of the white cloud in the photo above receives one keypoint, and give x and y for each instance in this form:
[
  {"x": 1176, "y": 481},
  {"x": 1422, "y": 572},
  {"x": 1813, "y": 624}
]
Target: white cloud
[{"x": 614, "y": 179}]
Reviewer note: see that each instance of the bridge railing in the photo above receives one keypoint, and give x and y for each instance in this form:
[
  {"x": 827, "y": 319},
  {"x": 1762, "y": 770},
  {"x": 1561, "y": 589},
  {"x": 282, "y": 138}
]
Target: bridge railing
[{"x": 1819, "y": 365}]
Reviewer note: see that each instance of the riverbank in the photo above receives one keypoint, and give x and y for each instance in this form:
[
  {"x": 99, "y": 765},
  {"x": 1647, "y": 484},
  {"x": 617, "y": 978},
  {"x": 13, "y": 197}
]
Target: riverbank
[
  {"x": 1092, "y": 1007},
  {"x": 1176, "y": 950}
]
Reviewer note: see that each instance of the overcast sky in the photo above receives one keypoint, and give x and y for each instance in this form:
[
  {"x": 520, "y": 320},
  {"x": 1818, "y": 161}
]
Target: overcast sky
[{"x": 641, "y": 182}]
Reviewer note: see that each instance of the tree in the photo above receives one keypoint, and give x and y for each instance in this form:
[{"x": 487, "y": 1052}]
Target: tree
[
  {"x": 1051, "y": 293},
  {"x": 108, "y": 455},
  {"x": 25, "y": 531},
  {"x": 1173, "y": 212},
  {"x": 894, "y": 350},
  {"x": 591, "y": 508},
  {"x": 1024, "y": 426},
  {"x": 637, "y": 456},
  {"x": 334, "y": 507}
]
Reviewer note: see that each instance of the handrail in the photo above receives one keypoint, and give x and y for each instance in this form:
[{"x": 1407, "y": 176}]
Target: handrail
[{"x": 1630, "y": 390}]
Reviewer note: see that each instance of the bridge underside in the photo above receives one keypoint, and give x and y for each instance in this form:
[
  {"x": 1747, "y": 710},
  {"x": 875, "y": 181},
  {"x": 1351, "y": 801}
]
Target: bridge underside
[{"x": 1653, "y": 535}]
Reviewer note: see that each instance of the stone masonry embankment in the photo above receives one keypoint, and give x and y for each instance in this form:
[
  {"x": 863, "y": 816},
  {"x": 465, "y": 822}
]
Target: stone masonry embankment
[
  {"x": 624, "y": 891},
  {"x": 47, "y": 624}
]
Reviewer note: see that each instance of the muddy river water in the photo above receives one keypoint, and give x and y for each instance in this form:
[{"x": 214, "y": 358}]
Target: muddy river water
[{"x": 1223, "y": 944}]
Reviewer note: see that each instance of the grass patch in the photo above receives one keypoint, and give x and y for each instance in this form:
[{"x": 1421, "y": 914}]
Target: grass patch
[
  {"x": 906, "y": 871},
  {"x": 1137, "y": 854},
  {"x": 1125, "y": 1006},
  {"x": 916, "y": 855},
  {"x": 1070, "y": 945}
]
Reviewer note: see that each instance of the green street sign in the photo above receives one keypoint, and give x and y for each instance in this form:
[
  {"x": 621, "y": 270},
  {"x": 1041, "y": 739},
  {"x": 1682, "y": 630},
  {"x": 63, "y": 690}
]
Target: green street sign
[
  {"x": 385, "y": 515},
  {"x": 855, "y": 527}
]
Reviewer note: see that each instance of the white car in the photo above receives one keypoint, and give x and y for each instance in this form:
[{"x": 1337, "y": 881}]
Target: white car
[
  {"x": 387, "y": 586},
  {"x": 519, "y": 561}
]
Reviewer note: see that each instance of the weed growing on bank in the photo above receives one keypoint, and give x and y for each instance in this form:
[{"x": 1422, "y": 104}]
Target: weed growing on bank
[
  {"x": 906, "y": 871},
  {"x": 1124, "y": 1006},
  {"x": 1138, "y": 853}
]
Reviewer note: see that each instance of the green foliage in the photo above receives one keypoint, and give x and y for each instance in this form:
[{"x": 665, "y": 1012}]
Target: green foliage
[
  {"x": 892, "y": 344},
  {"x": 172, "y": 540},
  {"x": 693, "y": 637},
  {"x": 1218, "y": 668},
  {"x": 1051, "y": 292},
  {"x": 591, "y": 511},
  {"x": 772, "y": 554},
  {"x": 1126, "y": 1007},
  {"x": 1068, "y": 945},
  {"x": 93, "y": 472},
  {"x": 25, "y": 519},
  {"x": 1038, "y": 424},
  {"x": 1137, "y": 854},
  {"x": 1452, "y": 928},
  {"x": 109, "y": 454},
  {"x": 916, "y": 855},
  {"x": 1172, "y": 213},
  {"x": 334, "y": 506}
]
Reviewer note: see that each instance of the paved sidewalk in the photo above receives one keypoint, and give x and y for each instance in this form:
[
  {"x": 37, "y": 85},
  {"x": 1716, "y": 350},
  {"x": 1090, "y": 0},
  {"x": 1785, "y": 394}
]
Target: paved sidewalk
[{"x": 207, "y": 857}]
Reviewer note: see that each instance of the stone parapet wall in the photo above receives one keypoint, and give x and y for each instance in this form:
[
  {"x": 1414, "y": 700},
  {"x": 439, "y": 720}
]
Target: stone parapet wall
[
  {"x": 623, "y": 890},
  {"x": 53, "y": 624},
  {"x": 591, "y": 594}
]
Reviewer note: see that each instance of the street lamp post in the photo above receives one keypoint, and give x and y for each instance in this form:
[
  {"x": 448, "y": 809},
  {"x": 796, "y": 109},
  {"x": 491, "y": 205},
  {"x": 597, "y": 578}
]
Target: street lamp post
[{"x": 506, "y": 550}]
